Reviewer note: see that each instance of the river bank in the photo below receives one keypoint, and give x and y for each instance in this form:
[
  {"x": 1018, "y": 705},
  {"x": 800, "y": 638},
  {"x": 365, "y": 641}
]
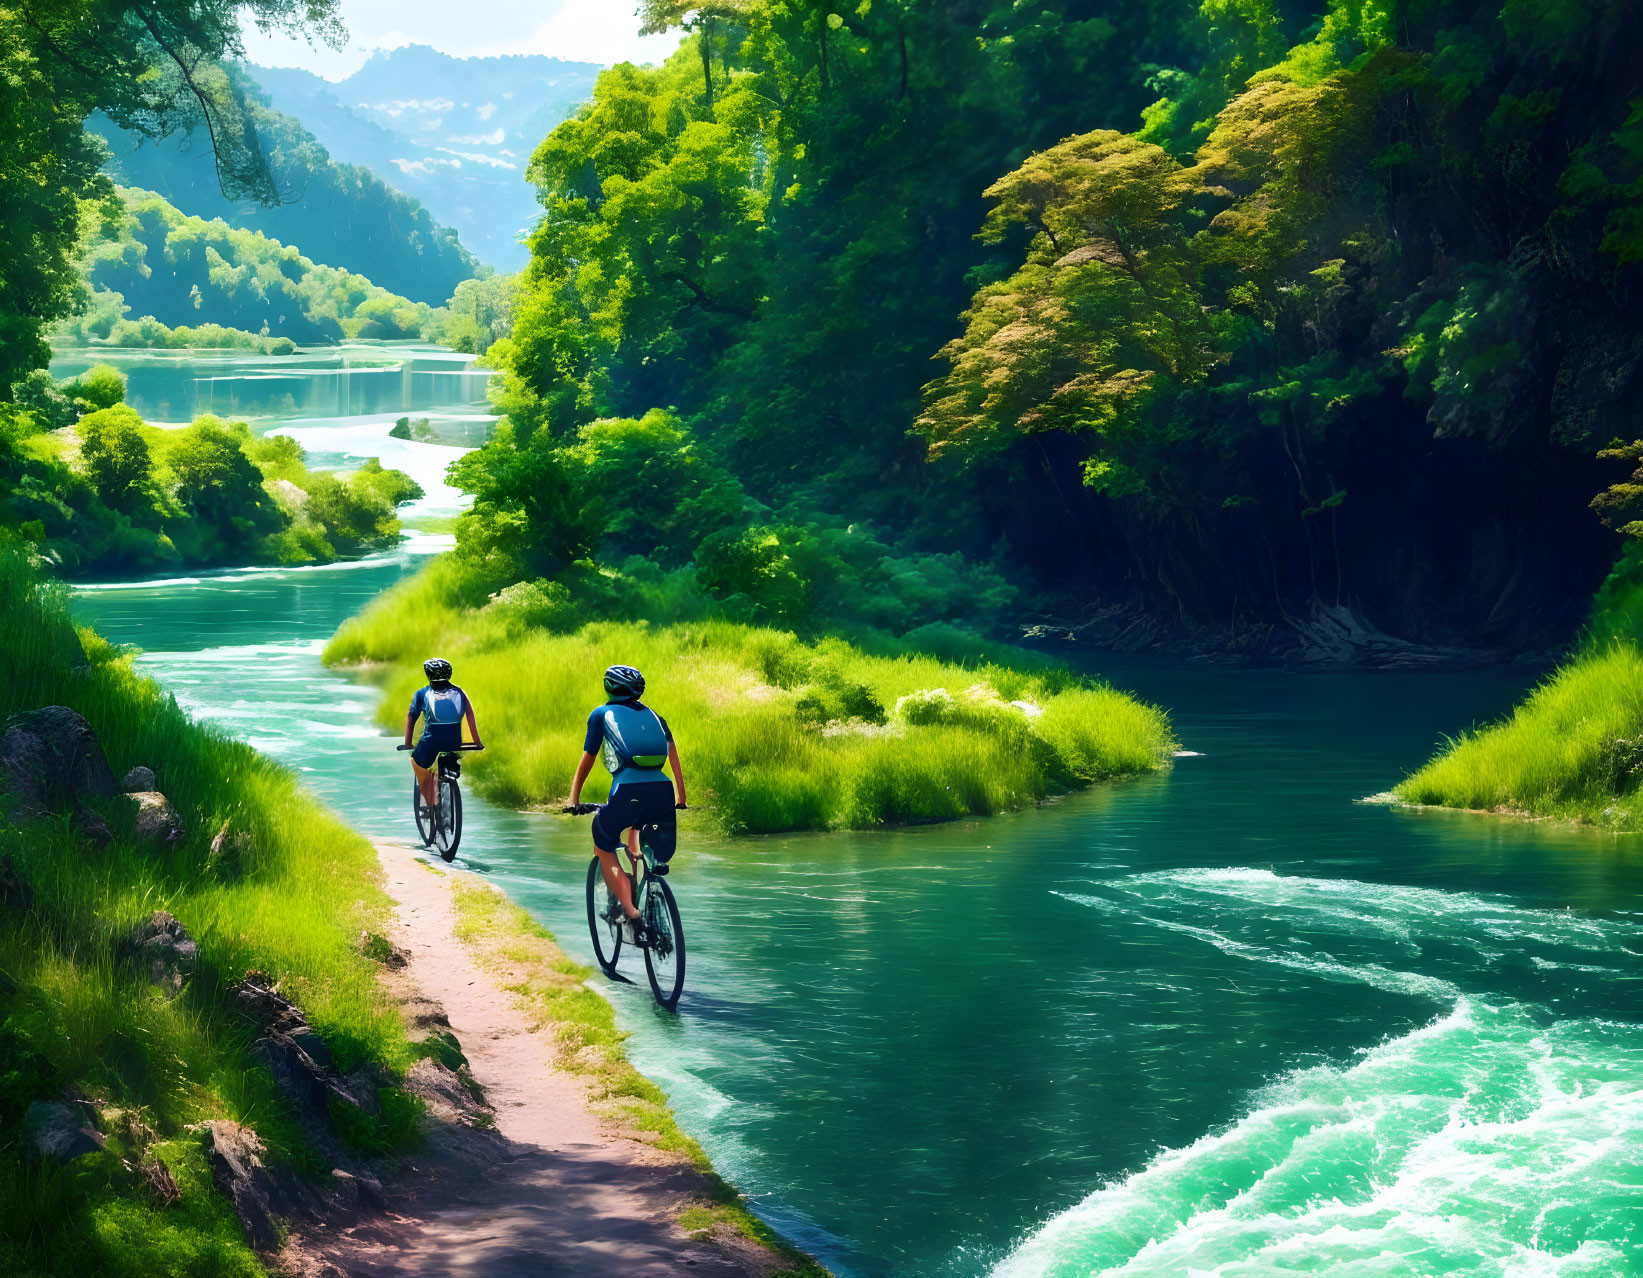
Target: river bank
[{"x": 573, "y": 1164}]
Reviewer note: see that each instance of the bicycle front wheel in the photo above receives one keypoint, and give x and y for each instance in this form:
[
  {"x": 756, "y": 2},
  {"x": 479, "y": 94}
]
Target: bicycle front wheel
[
  {"x": 665, "y": 945},
  {"x": 448, "y": 828},
  {"x": 606, "y": 936}
]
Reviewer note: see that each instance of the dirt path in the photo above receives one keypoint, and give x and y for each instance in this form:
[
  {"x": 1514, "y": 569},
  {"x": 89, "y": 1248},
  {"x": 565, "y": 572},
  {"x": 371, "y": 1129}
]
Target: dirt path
[{"x": 553, "y": 1189}]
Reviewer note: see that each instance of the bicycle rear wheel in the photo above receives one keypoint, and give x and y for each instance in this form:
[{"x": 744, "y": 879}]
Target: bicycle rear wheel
[
  {"x": 606, "y": 936},
  {"x": 424, "y": 817},
  {"x": 448, "y": 828},
  {"x": 665, "y": 944}
]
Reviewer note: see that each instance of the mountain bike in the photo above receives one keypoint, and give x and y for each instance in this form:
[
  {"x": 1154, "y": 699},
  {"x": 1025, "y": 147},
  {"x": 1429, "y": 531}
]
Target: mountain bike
[
  {"x": 663, "y": 938},
  {"x": 441, "y": 825}
]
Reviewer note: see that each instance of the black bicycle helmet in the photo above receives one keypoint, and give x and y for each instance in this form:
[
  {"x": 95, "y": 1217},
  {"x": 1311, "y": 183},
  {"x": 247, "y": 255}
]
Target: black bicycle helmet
[
  {"x": 624, "y": 682},
  {"x": 437, "y": 669}
]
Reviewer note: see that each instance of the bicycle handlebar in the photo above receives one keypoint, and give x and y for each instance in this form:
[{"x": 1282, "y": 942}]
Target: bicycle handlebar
[
  {"x": 447, "y": 749},
  {"x": 583, "y": 809}
]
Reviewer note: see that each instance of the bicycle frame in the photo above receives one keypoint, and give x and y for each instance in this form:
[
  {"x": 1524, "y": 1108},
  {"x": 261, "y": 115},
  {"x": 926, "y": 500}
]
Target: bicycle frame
[{"x": 640, "y": 883}]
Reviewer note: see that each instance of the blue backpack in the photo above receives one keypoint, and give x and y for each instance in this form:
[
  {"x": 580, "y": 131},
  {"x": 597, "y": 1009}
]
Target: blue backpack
[{"x": 634, "y": 738}]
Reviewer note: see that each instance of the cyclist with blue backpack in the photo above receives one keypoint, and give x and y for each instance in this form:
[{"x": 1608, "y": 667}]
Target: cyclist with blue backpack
[
  {"x": 442, "y": 707},
  {"x": 635, "y": 743}
]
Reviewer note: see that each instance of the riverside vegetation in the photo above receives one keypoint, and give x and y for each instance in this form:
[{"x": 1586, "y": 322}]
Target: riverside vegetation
[
  {"x": 1217, "y": 292},
  {"x": 94, "y": 488},
  {"x": 1574, "y": 749},
  {"x": 783, "y": 734},
  {"x": 290, "y": 899}
]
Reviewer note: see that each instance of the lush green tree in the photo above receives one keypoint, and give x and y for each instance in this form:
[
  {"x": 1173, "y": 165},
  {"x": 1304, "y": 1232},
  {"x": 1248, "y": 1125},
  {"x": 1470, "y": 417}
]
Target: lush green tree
[
  {"x": 1108, "y": 301},
  {"x": 195, "y": 282},
  {"x": 153, "y": 68},
  {"x": 530, "y": 517},
  {"x": 1371, "y": 262},
  {"x": 115, "y": 454},
  {"x": 1254, "y": 272},
  {"x": 653, "y": 489},
  {"x": 481, "y": 313},
  {"x": 753, "y": 573},
  {"x": 39, "y": 395},
  {"x": 218, "y": 482}
]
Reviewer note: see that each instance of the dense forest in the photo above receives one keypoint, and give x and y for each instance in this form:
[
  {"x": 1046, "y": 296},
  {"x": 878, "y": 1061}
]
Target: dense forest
[
  {"x": 152, "y": 270},
  {"x": 342, "y": 214},
  {"x": 1269, "y": 327}
]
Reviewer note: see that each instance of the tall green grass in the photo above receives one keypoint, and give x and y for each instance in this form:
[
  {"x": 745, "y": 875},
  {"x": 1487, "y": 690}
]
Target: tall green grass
[
  {"x": 1574, "y": 748},
  {"x": 72, "y": 1017},
  {"x": 775, "y": 733},
  {"x": 1567, "y": 751}
]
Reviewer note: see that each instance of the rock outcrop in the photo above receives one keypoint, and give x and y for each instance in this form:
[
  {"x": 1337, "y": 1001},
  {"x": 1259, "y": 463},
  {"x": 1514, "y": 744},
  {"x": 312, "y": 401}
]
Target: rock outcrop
[
  {"x": 51, "y": 761},
  {"x": 297, "y": 1056},
  {"x": 163, "y": 952},
  {"x": 58, "y": 1132},
  {"x": 157, "y": 821},
  {"x": 139, "y": 778},
  {"x": 235, "y": 1154}
]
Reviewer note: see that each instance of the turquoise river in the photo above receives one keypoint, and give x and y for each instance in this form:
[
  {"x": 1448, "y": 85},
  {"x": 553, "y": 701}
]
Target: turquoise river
[{"x": 1227, "y": 1021}]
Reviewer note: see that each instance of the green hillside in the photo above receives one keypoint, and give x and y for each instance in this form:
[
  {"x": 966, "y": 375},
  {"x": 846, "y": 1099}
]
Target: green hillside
[
  {"x": 143, "y": 259},
  {"x": 340, "y": 213}
]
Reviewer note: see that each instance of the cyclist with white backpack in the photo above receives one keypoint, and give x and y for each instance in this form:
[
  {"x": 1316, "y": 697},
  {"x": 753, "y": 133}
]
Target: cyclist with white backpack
[
  {"x": 442, "y": 707},
  {"x": 635, "y": 743}
]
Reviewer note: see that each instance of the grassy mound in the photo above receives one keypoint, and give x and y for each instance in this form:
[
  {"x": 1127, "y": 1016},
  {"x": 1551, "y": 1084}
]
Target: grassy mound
[
  {"x": 776, "y": 733},
  {"x": 1574, "y": 748},
  {"x": 292, "y": 902}
]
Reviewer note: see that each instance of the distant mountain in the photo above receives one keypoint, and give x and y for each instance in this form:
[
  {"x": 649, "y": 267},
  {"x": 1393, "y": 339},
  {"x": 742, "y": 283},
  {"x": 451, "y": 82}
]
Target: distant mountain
[
  {"x": 456, "y": 133},
  {"x": 340, "y": 213}
]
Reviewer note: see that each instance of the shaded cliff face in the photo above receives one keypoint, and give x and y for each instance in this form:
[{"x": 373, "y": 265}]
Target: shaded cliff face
[{"x": 1441, "y": 554}]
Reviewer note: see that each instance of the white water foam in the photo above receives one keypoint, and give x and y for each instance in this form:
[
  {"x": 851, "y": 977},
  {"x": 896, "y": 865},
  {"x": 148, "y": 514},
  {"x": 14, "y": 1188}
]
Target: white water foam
[
  {"x": 1352, "y": 908},
  {"x": 1494, "y": 1142},
  {"x": 1384, "y": 978},
  {"x": 1482, "y": 1145}
]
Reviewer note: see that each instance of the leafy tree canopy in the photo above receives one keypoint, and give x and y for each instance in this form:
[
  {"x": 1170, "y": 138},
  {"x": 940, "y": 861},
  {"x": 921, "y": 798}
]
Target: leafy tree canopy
[{"x": 153, "y": 67}]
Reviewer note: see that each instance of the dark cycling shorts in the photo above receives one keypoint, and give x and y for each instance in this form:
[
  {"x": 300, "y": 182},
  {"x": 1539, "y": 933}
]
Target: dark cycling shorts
[
  {"x": 436, "y": 742},
  {"x": 645, "y": 805}
]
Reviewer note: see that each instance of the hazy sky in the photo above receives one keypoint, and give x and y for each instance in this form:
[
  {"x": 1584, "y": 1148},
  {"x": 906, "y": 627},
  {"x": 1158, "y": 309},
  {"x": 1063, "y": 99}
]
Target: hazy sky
[{"x": 580, "y": 30}]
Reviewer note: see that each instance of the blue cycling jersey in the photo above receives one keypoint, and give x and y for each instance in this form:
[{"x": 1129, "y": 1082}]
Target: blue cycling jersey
[{"x": 441, "y": 710}]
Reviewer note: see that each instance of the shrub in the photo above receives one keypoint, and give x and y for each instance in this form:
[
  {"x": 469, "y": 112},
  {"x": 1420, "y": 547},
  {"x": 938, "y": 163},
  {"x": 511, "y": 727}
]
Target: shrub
[{"x": 100, "y": 386}]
